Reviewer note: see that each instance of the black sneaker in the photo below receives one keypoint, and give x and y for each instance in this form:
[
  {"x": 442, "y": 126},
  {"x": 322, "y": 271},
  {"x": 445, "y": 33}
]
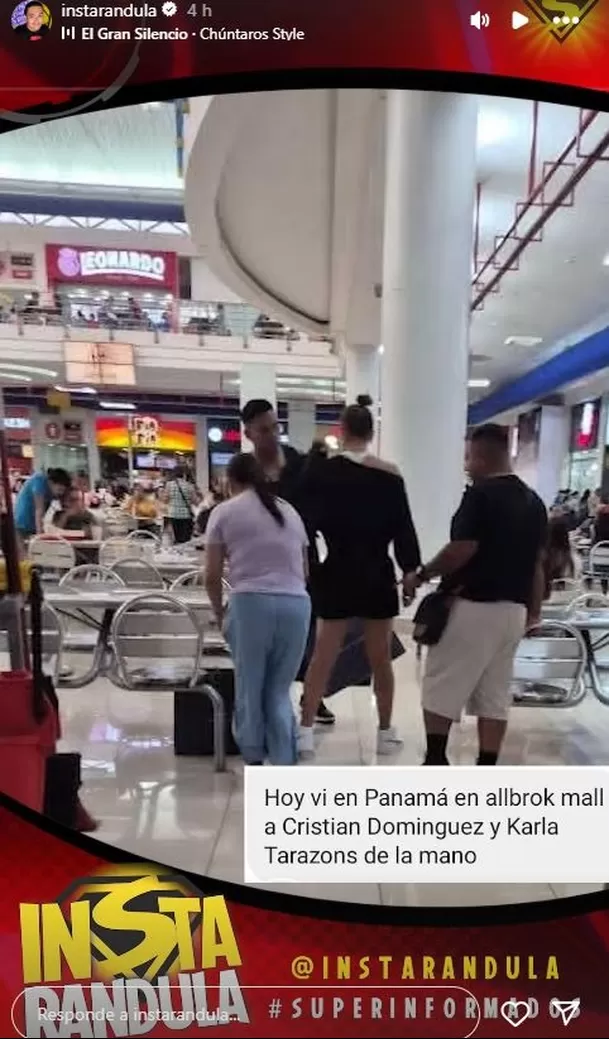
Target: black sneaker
[{"x": 324, "y": 716}]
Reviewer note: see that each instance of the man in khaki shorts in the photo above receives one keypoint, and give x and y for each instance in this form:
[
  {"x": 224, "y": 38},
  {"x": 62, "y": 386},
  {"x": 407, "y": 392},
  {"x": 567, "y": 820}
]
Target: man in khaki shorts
[{"x": 494, "y": 566}]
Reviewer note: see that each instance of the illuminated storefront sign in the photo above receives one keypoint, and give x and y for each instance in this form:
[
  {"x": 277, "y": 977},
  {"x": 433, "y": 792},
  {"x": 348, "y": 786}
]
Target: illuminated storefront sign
[
  {"x": 120, "y": 267},
  {"x": 146, "y": 431},
  {"x": 585, "y": 421}
]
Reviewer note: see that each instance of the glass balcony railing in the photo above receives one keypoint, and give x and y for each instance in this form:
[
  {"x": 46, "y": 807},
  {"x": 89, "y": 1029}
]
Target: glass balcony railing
[{"x": 158, "y": 315}]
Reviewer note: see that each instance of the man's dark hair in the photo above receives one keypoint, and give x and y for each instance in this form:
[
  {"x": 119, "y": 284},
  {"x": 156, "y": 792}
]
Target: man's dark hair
[
  {"x": 60, "y": 476},
  {"x": 28, "y": 7},
  {"x": 254, "y": 408},
  {"x": 492, "y": 435},
  {"x": 357, "y": 419}
]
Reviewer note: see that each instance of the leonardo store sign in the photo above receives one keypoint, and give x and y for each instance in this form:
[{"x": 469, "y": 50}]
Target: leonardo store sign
[{"x": 80, "y": 265}]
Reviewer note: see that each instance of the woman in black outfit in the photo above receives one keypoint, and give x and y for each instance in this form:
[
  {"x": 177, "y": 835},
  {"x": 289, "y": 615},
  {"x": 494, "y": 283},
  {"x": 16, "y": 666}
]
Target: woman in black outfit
[{"x": 358, "y": 504}]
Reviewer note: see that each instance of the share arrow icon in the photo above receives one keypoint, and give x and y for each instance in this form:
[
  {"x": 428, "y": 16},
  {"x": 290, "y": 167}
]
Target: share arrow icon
[{"x": 567, "y": 1009}]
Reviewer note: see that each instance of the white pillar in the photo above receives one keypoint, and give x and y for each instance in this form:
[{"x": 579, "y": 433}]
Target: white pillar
[
  {"x": 258, "y": 381},
  {"x": 427, "y": 256},
  {"x": 301, "y": 424},
  {"x": 90, "y": 439},
  {"x": 553, "y": 448},
  {"x": 202, "y": 456},
  {"x": 363, "y": 373}
]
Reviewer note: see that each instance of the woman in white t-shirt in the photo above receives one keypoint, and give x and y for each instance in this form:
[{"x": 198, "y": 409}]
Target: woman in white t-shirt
[{"x": 264, "y": 542}]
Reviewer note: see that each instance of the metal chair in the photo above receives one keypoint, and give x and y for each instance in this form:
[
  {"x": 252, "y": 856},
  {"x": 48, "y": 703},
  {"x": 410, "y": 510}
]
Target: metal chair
[
  {"x": 51, "y": 553},
  {"x": 145, "y": 535},
  {"x": 562, "y": 594},
  {"x": 189, "y": 580},
  {"x": 52, "y": 638},
  {"x": 88, "y": 622},
  {"x": 158, "y": 644},
  {"x": 91, "y": 573},
  {"x": 588, "y": 601},
  {"x": 550, "y": 666},
  {"x": 115, "y": 549},
  {"x": 597, "y": 568},
  {"x": 137, "y": 573}
]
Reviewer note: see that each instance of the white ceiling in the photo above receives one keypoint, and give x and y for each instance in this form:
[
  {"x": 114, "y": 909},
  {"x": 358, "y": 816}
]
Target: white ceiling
[
  {"x": 123, "y": 147},
  {"x": 560, "y": 288},
  {"x": 297, "y": 208}
]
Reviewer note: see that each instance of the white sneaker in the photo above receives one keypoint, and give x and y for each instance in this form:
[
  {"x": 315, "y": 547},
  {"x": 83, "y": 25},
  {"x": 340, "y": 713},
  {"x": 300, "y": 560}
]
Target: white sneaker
[
  {"x": 306, "y": 746},
  {"x": 388, "y": 741}
]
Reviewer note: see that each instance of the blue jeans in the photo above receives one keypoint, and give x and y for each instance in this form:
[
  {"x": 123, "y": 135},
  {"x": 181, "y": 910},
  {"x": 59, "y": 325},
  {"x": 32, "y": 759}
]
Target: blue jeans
[{"x": 267, "y": 635}]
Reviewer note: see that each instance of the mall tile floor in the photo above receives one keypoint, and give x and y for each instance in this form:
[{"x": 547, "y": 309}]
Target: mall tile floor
[{"x": 178, "y": 811}]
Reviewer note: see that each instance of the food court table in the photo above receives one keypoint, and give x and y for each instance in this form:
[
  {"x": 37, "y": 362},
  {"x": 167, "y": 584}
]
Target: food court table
[
  {"x": 168, "y": 562},
  {"x": 75, "y": 602}
]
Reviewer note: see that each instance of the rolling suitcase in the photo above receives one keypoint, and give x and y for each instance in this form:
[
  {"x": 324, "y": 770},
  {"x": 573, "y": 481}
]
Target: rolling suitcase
[{"x": 193, "y": 729}]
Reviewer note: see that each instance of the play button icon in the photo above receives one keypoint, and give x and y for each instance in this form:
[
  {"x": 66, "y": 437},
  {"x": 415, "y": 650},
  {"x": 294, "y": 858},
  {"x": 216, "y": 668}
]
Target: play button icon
[{"x": 518, "y": 20}]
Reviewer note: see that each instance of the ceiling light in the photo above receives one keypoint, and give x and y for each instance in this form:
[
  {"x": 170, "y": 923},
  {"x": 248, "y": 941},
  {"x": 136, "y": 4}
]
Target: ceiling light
[
  {"x": 30, "y": 369},
  {"x": 381, "y": 349},
  {"x": 13, "y": 375},
  {"x": 478, "y": 384},
  {"x": 523, "y": 341},
  {"x": 76, "y": 389},
  {"x": 493, "y": 126},
  {"x": 214, "y": 435},
  {"x": 116, "y": 405}
]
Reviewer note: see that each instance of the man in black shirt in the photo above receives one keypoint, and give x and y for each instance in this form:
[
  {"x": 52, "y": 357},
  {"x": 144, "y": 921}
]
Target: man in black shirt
[
  {"x": 284, "y": 468},
  {"x": 34, "y": 27},
  {"x": 493, "y": 566}
]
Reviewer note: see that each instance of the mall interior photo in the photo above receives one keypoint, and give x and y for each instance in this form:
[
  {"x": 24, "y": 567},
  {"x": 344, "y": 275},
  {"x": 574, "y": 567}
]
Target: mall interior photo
[{"x": 445, "y": 259}]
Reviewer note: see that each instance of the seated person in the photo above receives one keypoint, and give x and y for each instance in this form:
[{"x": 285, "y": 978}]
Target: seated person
[
  {"x": 558, "y": 564},
  {"x": 143, "y": 507},
  {"x": 600, "y": 533},
  {"x": 601, "y": 522},
  {"x": 72, "y": 515}
]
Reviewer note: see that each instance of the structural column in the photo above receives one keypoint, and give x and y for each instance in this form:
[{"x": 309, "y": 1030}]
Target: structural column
[
  {"x": 554, "y": 436},
  {"x": 301, "y": 424},
  {"x": 257, "y": 381},
  {"x": 427, "y": 258},
  {"x": 202, "y": 457},
  {"x": 90, "y": 438},
  {"x": 363, "y": 373}
]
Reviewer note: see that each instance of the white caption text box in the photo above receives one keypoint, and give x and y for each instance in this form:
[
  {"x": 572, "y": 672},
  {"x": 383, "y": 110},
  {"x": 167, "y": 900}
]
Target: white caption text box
[{"x": 336, "y": 825}]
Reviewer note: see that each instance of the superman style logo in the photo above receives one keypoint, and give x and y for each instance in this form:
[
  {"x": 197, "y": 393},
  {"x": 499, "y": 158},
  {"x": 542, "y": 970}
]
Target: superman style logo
[
  {"x": 561, "y": 17},
  {"x": 130, "y": 936}
]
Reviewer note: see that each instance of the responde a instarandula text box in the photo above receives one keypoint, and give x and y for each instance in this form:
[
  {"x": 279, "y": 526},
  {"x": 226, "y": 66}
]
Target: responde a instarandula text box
[{"x": 335, "y": 825}]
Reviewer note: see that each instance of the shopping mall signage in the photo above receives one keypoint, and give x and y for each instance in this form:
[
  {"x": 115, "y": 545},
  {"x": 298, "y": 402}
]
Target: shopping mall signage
[
  {"x": 585, "y": 423},
  {"x": 16, "y": 268},
  {"x": 82, "y": 265},
  {"x": 64, "y": 432},
  {"x": 146, "y": 431}
]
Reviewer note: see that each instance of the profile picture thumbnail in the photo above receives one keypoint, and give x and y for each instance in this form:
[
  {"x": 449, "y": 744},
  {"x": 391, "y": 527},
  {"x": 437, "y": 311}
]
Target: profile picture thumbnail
[{"x": 31, "y": 20}]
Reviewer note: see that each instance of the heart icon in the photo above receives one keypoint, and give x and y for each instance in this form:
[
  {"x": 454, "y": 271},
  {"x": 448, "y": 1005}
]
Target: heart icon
[{"x": 515, "y": 1012}]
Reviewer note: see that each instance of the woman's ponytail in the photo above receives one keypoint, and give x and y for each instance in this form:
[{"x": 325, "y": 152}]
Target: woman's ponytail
[{"x": 245, "y": 471}]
